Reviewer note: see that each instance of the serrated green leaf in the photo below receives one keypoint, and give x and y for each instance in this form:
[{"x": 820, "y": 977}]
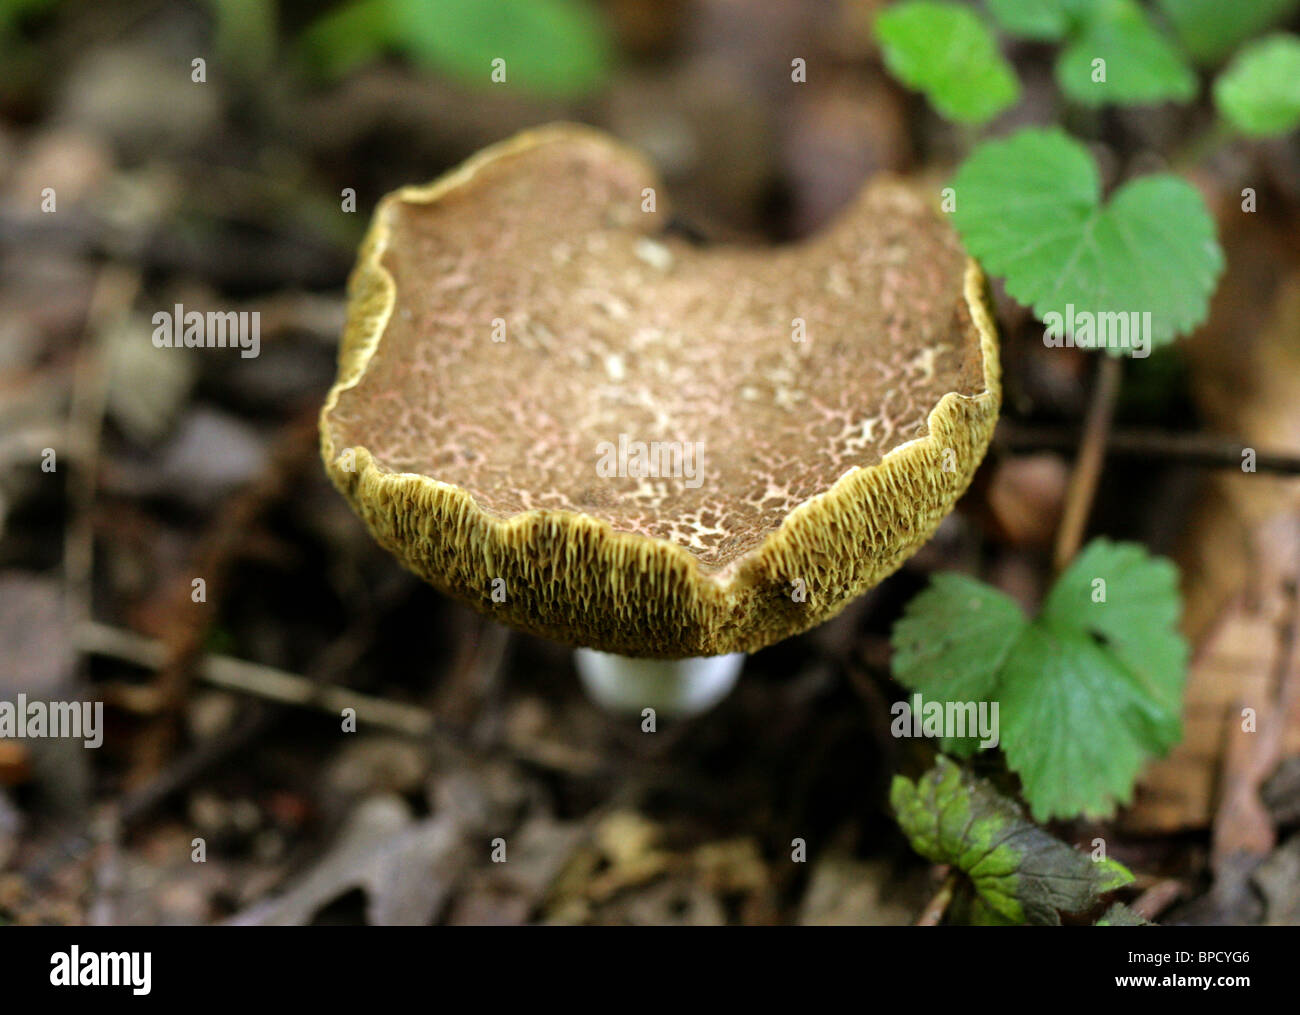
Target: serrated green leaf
[
  {"x": 952, "y": 641},
  {"x": 946, "y": 51},
  {"x": 1259, "y": 93},
  {"x": 1086, "y": 693},
  {"x": 1022, "y": 873},
  {"x": 1211, "y": 29},
  {"x": 1076, "y": 726},
  {"x": 1029, "y": 208},
  {"x": 1129, "y": 599},
  {"x": 1141, "y": 65}
]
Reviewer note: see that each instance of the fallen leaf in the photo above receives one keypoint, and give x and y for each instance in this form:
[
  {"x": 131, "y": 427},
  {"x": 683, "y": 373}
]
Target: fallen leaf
[{"x": 406, "y": 867}]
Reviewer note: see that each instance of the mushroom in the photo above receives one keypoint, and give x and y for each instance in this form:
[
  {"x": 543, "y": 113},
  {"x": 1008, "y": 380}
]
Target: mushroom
[{"x": 594, "y": 431}]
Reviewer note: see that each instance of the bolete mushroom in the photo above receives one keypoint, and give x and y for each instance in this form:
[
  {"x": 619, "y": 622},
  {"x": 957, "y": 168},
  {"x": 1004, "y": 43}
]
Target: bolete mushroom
[{"x": 595, "y": 431}]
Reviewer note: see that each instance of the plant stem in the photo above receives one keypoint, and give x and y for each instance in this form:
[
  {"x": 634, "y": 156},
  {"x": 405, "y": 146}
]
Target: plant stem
[
  {"x": 938, "y": 905},
  {"x": 1087, "y": 467}
]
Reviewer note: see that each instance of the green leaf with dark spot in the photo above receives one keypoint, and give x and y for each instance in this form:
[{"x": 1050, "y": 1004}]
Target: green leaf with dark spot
[{"x": 1020, "y": 871}]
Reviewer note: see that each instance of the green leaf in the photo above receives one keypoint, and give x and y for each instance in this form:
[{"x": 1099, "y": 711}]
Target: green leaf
[
  {"x": 1211, "y": 29},
  {"x": 1128, "y": 601},
  {"x": 1086, "y": 693},
  {"x": 1259, "y": 93},
  {"x": 549, "y": 47},
  {"x": 1119, "y": 915},
  {"x": 1022, "y": 873},
  {"x": 1044, "y": 20},
  {"x": 1096, "y": 687},
  {"x": 952, "y": 641},
  {"x": 946, "y": 51},
  {"x": 346, "y": 38},
  {"x": 979, "y": 913},
  {"x": 1029, "y": 207},
  {"x": 1141, "y": 65},
  {"x": 1075, "y": 727}
]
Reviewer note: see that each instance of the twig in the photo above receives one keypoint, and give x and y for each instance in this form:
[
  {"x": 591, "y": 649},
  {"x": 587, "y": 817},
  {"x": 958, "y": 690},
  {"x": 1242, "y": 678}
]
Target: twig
[
  {"x": 220, "y": 546},
  {"x": 259, "y": 680},
  {"x": 1209, "y": 451},
  {"x": 1159, "y": 897},
  {"x": 1087, "y": 467},
  {"x": 291, "y": 689},
  {"x": 938, "y": 905},
  {"x": 115, "y": 292},
  {"x": 103, "y": 836}
]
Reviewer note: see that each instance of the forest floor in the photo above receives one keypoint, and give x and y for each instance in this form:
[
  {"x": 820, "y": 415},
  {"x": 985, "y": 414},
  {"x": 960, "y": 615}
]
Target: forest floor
[{"x": 770, "y": 809}]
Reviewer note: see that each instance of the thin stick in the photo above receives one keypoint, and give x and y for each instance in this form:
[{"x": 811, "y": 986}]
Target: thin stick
[
  {"x": 115, "y": 292},
  {"x": 258, "y": 680},
  {"x": 291, "y": 689},
  {"x": 937, "y": 906},
  {"x": 1159, "y": 897},
  {"x": 1210, "y": 451},
  {"x": 1087, "y": 467}
]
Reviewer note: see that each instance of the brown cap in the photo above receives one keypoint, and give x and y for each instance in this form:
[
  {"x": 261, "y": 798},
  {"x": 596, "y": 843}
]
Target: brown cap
[{"x": 599, "y": 433}]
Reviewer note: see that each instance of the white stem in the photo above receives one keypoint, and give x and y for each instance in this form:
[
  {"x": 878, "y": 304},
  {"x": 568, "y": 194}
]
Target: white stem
[{"x": 672, "y": 687}]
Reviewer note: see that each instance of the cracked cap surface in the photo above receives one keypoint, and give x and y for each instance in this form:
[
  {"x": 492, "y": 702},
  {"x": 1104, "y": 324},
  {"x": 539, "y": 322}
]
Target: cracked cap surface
[{"x": 604, "y": 435}]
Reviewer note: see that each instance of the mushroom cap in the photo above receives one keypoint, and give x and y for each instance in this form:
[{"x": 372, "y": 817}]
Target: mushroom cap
[{"x": 515, "y": 328}]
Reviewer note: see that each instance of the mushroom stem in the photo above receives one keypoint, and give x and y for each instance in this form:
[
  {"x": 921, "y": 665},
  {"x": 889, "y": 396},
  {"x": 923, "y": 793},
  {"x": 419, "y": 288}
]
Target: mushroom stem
[{"x": 672, "y": 687}]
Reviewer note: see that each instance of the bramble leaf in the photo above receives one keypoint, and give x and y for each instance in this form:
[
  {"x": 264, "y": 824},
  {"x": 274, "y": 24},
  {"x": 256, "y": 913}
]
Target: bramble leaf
[
  {"x": 1259, "y": 93},
  {"x": 952, "y": 641},
  {"x": 1086, "y": 693},
  {"x": 1020, "y": 871},
  {"x": 1029, "y": 208},
  {"x": 1139, "y": 65},
  {"x": 1128, "y": 601},
  {"x": 1211, "y": 29},
  {"x": 947, "y": 52}
]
